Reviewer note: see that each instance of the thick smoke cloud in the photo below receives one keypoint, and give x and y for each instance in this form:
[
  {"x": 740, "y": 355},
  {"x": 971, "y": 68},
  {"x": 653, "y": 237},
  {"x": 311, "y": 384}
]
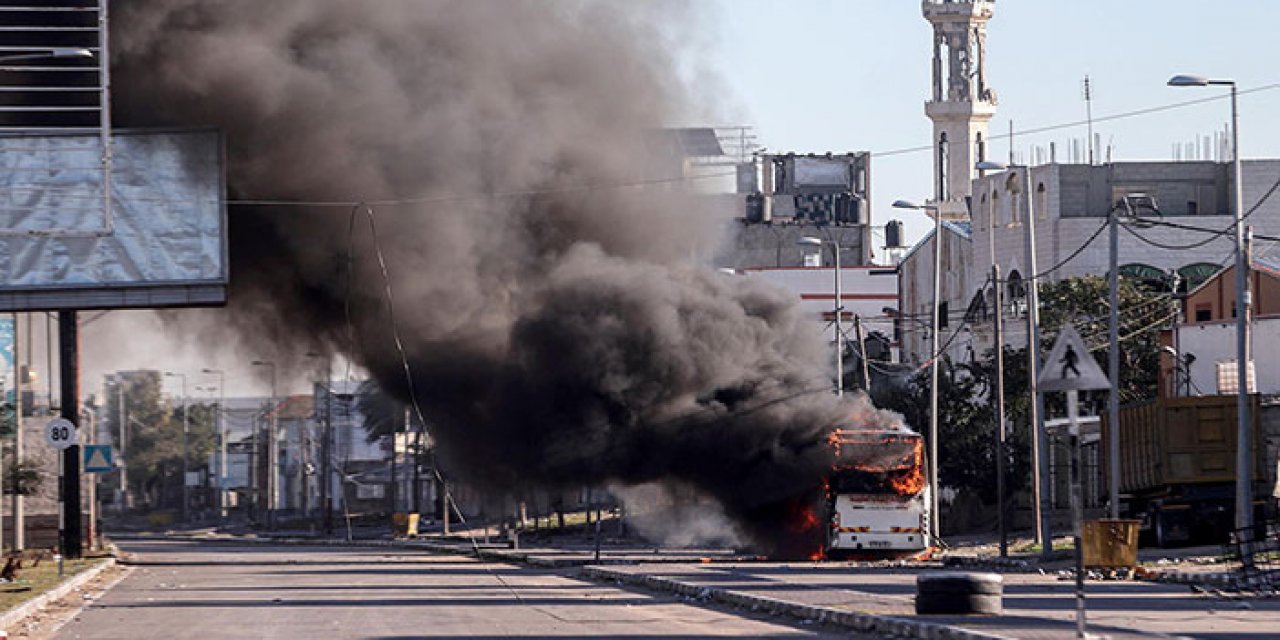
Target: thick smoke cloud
[{"x": 565, "y": 336}]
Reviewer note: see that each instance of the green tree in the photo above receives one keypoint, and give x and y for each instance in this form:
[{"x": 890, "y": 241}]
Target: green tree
[{"x": 153, "y": 448}]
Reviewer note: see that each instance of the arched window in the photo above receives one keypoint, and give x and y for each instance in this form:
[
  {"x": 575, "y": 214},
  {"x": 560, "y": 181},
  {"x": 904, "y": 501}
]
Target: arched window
[
  {"x": 1042, "y": 202},
  {"x": 981, "y": 211},
  {"x": 943, "y": 162},
  {"x": 1011, "y": 184},
  {"x": 1194, "y": 275},
  {"x": 1146, "y": 275},
  {"x": 994, "y": 211},
  {"x": 1017, "y": 290}
]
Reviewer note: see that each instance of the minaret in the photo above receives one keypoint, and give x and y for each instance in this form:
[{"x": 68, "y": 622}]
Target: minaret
[{"x": 962, "y": 104}]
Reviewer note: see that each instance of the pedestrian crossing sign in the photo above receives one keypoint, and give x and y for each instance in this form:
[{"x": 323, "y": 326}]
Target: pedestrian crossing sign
[
  {"x": 1070, "y": 366},
  {"x": 97, "y": 458}
]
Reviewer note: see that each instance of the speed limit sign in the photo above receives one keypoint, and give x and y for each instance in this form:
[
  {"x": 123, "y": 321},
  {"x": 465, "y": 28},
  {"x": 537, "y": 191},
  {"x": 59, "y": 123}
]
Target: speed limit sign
[{"x": 60, "y": 433}]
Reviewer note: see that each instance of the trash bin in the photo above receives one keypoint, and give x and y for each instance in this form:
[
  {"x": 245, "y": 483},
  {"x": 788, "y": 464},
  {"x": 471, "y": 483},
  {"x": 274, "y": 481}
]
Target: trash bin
[{"x": 1111, "y": 544}]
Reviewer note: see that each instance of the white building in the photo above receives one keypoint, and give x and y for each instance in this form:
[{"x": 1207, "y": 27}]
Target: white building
[
  {"x": 868, "y": 297},
  {"x": 1071, "y": 204}
]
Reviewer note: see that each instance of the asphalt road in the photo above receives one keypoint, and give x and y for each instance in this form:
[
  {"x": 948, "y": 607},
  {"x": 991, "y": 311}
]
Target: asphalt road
[{"x": 199, "y": 590}]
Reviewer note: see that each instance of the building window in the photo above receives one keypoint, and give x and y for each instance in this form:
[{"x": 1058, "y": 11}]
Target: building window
[
  {"x": 994, "y": 211},
  {"x": 1229, "y": 377},
  {"x": 1204, "y": 313},
  {"x": 1042, "y": 202},
  {"x": 1016, "y": 289},
  {"x": 1015, "y": 216},
  {"x": 944, "y": 162},
  {"x": 942, "y": 315}
]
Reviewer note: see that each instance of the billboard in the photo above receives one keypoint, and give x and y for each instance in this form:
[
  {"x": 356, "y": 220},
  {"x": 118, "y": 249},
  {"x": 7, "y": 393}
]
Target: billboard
[
  {"x": 162, "y": 244},
  {"x": 822, "y": 172}
]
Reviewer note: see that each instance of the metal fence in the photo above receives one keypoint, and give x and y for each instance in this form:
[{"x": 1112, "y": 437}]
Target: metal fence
[{"x": 1256, "y": 550}]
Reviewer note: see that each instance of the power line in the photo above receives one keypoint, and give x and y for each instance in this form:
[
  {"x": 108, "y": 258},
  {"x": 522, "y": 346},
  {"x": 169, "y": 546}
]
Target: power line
[
  {"x": 1084, "y": 123},
  {"x": 677, "y": 179}
]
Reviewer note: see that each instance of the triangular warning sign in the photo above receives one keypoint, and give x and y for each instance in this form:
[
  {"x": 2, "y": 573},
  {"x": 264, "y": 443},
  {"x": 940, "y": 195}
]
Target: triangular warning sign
[
  {"x": 97, "y": 458},
  {"x": 1070, "y": 366}
]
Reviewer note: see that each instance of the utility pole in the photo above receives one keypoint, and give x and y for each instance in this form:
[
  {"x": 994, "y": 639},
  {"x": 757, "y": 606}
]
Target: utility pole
[
  {"x": 1113, "y": 364},
  {"x": 92, "y": 438},
  {"x": 124, "y": 469},
  {"x": 935, "y": 525},
  {"x": 69, "y": 348},
  {"x": 1244, "y": 443},
  {"x": 1039, "y": 447},
  {"x": 223, "y": 477},
  {"x": 417, "y": 463},
  {"x": 1001, "y": 436},
  {"x": 273, "y": 450},
  {"x": 326, "y": 451},
  {"x": 862, "y": 348},
  {"x": 395, "y": 480}
]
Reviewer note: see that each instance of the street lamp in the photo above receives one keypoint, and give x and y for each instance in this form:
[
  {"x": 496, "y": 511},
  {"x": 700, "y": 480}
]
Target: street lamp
[
  {"x": 273, "y": 482},
  {"x": 186, "y": 496},
  {"x": 810, "y": 241},
  {"x": 223, "y": 476},
  {"x": 934, "y": 528},
  {"x": 1244, "y": 432},
  {"x": 1039, "y": 445}
]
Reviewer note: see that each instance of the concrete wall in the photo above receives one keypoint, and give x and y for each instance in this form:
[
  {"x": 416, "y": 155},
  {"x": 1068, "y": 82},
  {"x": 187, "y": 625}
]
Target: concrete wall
[
  {"x": 776, "y": 245},
  {"x": 960, "y": 282}
]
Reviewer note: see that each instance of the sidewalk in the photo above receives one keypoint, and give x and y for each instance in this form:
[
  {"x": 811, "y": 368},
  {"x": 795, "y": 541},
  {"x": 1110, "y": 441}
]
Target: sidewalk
[{"x": 1035, "y": 606}]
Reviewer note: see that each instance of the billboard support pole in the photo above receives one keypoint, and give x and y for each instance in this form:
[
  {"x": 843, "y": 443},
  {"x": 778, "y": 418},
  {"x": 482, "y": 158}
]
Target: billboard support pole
[{"x": 69, "y": 348}]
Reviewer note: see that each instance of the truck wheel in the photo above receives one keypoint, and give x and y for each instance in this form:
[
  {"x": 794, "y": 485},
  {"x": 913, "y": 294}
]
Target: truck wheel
[{"x": 1159, "y": 529}]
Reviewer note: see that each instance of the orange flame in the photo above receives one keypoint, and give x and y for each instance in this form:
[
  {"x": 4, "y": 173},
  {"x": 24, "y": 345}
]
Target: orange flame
[
  {"x": 912, "y": 481},
  {"x": 807, "y": 538},
  {"x": 804, "y": 520}
]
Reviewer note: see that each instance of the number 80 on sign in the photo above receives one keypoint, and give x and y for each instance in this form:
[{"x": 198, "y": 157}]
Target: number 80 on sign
[{"x": 60, "y": 433}]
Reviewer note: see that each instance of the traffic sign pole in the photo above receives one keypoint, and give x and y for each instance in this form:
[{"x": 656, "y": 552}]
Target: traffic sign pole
[{"x": 1077, "y": 507}]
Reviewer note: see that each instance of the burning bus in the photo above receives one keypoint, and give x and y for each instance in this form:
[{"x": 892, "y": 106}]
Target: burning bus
[{"x": 877, "y": 493}]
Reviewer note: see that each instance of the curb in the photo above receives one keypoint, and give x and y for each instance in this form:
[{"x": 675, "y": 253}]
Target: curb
[
  {"x": 17, "y": 614},
  {"x": 1016, "y": 564},
  {"x": 1176, "y": 576},
  {"x": 864, "y": 622}
]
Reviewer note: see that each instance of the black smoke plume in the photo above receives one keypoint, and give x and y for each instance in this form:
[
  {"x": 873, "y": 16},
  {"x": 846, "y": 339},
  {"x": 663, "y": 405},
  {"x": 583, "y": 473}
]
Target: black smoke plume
[{"x": 560, "y": 329}]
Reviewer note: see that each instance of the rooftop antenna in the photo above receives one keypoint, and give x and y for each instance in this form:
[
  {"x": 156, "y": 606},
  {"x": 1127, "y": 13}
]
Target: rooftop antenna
[
  {"x": 1011, "y": 161},
  {"x": 1088, "y": 110}
]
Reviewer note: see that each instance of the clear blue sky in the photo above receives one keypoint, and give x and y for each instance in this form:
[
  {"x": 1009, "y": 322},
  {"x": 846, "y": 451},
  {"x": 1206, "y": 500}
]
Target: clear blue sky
[{"x": 841, "y": 75}]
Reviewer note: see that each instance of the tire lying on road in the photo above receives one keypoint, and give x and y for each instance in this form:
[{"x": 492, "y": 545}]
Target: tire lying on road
[{"x": 959, "y": 592}]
